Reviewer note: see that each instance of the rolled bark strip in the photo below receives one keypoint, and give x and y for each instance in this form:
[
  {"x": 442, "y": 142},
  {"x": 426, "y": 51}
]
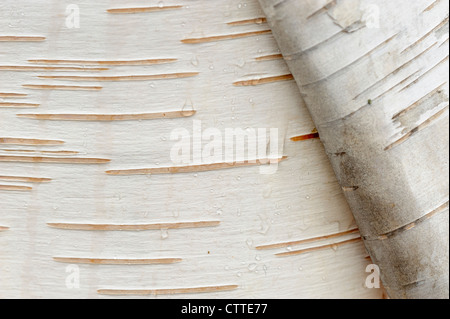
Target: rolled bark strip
[
  {"x": 25, "y": 179},
  {"x": 21, "y": 38},
  {"x": 28, "y": 141},
  {"x": 18, "y": 105},
  {"x": 116, "y": 261},
  {"x": 12, "y": 95},
  {"x": 118, "y": 78},
  {"x": 55, "y": 160},
  {"x": 166, "y": 291},
  {"x": 368, "y": 74},
  {"x": 104, "y": 62},
  {"x": 15, "y": 188},
  {"x": 109, "y": 117},
  {"x": 135, "y": 227},
  {"x": 143, "y": 9}
]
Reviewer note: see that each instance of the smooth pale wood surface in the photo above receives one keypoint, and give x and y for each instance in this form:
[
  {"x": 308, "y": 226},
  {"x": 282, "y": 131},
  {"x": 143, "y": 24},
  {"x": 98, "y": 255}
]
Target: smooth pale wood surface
[{"x": 301, "y": 201}]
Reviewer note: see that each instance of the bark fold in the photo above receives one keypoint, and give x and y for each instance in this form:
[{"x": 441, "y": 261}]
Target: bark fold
[{"x": 374, "y": 76}]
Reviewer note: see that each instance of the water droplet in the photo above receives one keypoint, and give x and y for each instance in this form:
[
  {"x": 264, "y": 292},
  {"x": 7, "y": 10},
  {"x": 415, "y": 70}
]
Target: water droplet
[
  {"x": 238, "y": 178},
  {"x": 187, "y": 108},
  {"x": 252, "y": 266},
  {"x": 239, "y": 274},
  {"x": 241, "y": 63},
  {"x": 219, "y": 212},
  {"x": 289, "y": 248},
  {"x": 249, "y": 242},
  {"x": 211, "y": 67},
  {"x": 300, "y": 268},
  {"x": 308, "y": 197},
  {"x": 334, "y": 247},
  {"x": 239, "y": 5},
  {"x": 265, "y": 226},
  {"x": 161, "y": 4},
  {"x": 257, "y": 257},
  {"x": 164, "y": 233},
  {"x": 239, "y": 212},
  {"x": 227, "y": 267},
  {"x": 194, "y": 61},
  {"x": 195, "y": 175}
]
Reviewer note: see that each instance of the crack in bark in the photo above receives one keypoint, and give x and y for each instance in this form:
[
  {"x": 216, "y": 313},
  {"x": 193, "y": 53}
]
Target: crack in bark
[{"x": 411, "y": 225}]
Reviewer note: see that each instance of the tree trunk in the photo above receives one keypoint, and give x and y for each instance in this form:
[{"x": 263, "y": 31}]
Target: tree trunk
[{"x": 374, "y": 76}]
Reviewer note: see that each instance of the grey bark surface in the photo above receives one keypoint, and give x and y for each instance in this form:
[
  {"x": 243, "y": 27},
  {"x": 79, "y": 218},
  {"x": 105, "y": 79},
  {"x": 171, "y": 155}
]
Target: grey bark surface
[{"x": 374, "y": 76}]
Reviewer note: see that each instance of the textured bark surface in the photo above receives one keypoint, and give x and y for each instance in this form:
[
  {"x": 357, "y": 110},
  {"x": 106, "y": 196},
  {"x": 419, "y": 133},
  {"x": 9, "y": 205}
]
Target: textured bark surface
[
  {"x": 374, "y": 76},
  {"x": 204, "y": 233}
]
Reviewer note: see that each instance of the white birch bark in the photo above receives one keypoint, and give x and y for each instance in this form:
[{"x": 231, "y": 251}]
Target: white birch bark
[
  {"x": 374, "y": 76},
  {"x": 301, "y": 202}
]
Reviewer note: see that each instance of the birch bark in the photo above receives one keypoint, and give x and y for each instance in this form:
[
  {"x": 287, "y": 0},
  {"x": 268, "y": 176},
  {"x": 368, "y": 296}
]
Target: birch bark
[{"x": 374, "y": 76}]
